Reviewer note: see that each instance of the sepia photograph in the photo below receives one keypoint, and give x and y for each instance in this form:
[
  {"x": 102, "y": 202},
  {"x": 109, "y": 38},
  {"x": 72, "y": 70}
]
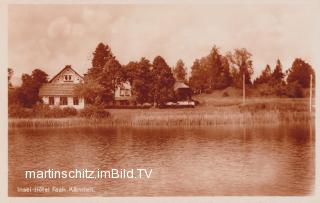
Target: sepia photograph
[{"x": 162, "y": 99}]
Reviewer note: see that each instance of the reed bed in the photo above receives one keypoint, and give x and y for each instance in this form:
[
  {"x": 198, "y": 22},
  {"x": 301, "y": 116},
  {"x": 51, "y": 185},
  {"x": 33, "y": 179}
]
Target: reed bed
[
  {"x": 188, "y": 118},
  {"x": 219, "y": 111}
]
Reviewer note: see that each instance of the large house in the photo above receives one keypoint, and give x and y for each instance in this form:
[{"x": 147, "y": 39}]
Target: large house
[{"x": 60, "y": 91}]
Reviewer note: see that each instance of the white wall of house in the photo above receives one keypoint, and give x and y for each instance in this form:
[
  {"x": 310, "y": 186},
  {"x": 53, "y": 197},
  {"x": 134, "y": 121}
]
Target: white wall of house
[{"x": 80, "y": 105}]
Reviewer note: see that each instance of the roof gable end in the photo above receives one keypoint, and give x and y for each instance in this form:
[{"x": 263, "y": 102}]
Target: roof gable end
[{"x": 67, "y": 68}]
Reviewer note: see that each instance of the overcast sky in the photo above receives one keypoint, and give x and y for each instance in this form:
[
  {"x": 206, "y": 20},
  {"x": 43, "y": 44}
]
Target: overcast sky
[{"x": 51, "y": 36}]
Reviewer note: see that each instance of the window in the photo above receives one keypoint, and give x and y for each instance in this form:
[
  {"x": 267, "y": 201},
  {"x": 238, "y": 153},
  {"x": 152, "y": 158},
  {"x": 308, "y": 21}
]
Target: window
[
  {"x": 51, "y": 100},
  {"x": 67, "y": 77},
  {"x": 127, "y": 92},
  {"x": 63, "y": 101},
  {"x": 75, "y": 101},
  {"x": 122, "y": 92}
]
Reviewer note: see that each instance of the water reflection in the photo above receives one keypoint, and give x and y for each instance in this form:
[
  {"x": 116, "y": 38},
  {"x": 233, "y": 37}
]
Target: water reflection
[{"x": 265, "y": 160}]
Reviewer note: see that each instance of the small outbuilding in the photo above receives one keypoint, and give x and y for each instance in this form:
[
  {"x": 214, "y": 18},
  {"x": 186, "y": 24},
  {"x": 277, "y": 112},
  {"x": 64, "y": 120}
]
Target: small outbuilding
[{"x": 182, "y": 91}]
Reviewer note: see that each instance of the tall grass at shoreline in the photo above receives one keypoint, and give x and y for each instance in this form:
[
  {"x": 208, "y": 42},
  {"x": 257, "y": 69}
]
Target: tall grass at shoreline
[
  {"x": 188, "y": 118},
  {"x": 214, "y": 113}
]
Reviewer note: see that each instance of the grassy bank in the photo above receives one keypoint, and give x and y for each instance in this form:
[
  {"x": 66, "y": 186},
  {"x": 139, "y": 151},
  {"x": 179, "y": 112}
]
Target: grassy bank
[{"x": 211, "y": 113}]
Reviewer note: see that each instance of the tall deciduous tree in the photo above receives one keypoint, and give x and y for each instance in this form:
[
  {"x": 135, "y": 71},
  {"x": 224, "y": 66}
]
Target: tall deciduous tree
[
  {"x": 180, "y": 71},
  {"x": 102, "y": 79},
  {"x": 300, "y": 72},
  {"x": 197, "y": 77},
  {"x": 28, "y": 93},
  {"x": 91, "y": 90},
  {"x": 210, "y": 72},
  {"x": 224, "y": 76},
  {"x": 141, "y": 80},
  {"x": 163, "y": 81},
  {"x": 110, "y": 79},
  {"x": 240, "y": 61}
]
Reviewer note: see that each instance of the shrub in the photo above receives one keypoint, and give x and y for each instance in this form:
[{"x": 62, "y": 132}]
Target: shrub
[
  {"x": 69, "y": 111},
  {"x": 40, "y": 110},
  {"x": 17, "y": 111},
  {"x": 43, "y": 110},
  {"x": 94, "y": 112},
  {"x": 54, "y": 112}
]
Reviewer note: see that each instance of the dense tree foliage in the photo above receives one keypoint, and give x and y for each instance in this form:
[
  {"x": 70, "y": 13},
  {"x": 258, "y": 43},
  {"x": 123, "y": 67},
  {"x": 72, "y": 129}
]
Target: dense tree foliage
[
  {"x": 241, "y": 64},
  {"x": 197, "y": 77},
  {"x": 100, "y": 57},
  {"x": 91, "y": 91},
  {"x": 210, "y": 72},
  {"x": 163, "y": 81},
  {"x": 102, "y": 78},
  {"x": 277, "y": 76},
  {"x": 180, "y": 71},
  {"x": 28, "y": 93},
  {"x": 300, "y": 72},
  {"x": 264, "y": 77},
  {"x": 139, "y": 74},
  {"x": 154, "y": 82}
]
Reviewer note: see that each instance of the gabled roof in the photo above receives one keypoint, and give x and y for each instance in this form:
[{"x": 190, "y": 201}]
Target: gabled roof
[
  {"x": 180, "y": 85},
  {"x": 67, "y": 67},
  {"x": 59, "y": 89}
]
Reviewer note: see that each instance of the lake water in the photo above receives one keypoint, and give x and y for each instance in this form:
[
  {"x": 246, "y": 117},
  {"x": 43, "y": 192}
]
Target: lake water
[{"x": 265, "y": 160}]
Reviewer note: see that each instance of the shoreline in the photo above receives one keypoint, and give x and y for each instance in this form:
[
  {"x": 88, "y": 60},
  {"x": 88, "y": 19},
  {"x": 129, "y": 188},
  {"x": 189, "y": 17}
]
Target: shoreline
[
  {"x": 155, "y": 119},
  {"x": 217, "y": 112}
]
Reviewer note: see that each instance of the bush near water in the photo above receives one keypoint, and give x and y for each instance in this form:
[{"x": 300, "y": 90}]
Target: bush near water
[{"x": 44, "y": 111}]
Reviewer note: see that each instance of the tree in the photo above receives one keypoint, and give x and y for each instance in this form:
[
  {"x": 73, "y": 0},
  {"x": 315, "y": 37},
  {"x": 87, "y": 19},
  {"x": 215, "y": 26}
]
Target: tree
[
  {"x": 91, "y": 91},
  {"x": 28, "y": 93},
  {"x": 180, "y": 71},
  {"x": 265, "y": 76},
  {"x": 213, "y": 67},
  {"x": 163, "y": 81},
  {"x": 142, "y": 80},
  {"x": 241, "y": 63},
  {"x": 110, "y": 78},
  {"x": 197, "y": 77},
  {"x": 210, "y": 72},
  {"x": 224, "y": 78},
  {"x": 130, "y": 71},
  {"x": 102, "y": 79},
  {"x": 100, "y": 57},
  {"x": 300, "y": 71},
  {"x": 277, "y": 75},
  {"x": 294, "y": 90}
]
